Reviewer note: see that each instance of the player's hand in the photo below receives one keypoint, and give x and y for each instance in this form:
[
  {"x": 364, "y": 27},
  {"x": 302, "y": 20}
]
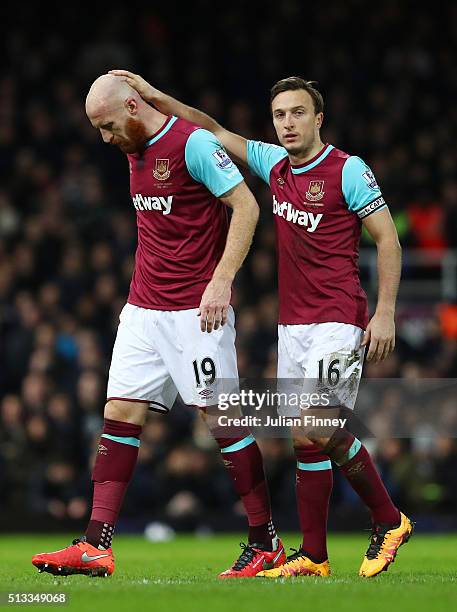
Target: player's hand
[
  {"x": 214, "y": 304},
  {"x": 145, "y": 89},
  {"x": 379, "y": 337}
]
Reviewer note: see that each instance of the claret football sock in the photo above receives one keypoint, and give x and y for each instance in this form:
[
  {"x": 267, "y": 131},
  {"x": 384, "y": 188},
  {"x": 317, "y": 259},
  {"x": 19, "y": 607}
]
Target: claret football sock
[
  {"x": 313, "y": 487},
  {"x": 99, "y": 534},
  {"x": 243, "y": 461},
  {"x": 264, "y": 534},
  {"x": 114, "y": 464},
  {"x": 358, "y": 467}
]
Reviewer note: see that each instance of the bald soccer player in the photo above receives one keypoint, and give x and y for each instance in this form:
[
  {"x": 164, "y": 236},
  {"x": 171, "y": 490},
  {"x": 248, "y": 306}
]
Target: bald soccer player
[{"x": 176, "y": 331}]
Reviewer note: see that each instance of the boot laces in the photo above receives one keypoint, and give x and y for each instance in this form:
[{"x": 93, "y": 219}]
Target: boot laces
[
  {"x": 246, "y": 557},
  {"x": 297, "y": 554},
  {"x": 377, "y": 537}
]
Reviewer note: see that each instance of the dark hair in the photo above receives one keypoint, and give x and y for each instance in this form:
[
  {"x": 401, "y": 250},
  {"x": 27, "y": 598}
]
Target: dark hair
[{"x": 292, "y": 84}]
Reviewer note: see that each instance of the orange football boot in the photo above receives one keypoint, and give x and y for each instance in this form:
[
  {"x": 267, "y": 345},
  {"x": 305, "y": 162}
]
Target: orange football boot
[
  {"x": 79, "y": 558},
  {"x": 254, "y": 559},
  {"x": 297, "y": 564},
  {"x": 385, "y": 541}
]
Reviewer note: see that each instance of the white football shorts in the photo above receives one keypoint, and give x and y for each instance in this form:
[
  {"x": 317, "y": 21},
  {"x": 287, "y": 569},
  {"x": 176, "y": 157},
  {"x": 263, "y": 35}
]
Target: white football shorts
[
  {"x": 325, "y": 359},
  {"x": 158, "y": 354}
]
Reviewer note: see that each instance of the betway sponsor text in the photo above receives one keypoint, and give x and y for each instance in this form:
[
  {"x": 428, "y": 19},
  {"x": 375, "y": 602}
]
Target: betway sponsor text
[
  {"x": 162, "y": 204},
  {"x": 300, "y": 217}
]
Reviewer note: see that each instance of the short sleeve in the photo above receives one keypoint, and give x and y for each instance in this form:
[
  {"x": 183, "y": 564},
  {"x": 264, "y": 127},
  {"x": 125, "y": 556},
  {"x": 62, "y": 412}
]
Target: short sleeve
[
  {"x": 360, "y": 189},
  {"x": 208, "y": 163},
  {"x": 262, "y": 157}
]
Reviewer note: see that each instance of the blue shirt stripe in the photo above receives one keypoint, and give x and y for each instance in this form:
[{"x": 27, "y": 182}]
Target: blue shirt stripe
[
  {"x": 162, "y": 132},
  {"x": 314, "y": 163}
]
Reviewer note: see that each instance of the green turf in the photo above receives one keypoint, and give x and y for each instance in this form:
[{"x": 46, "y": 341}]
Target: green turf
[{"x": 181, "y": 576}]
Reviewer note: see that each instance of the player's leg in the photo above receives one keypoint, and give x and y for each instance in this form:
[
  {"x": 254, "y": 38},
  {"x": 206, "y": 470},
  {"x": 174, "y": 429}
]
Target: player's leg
[
  {"x": 313, "y": 480},
  {"x": 390, "y": 527},
  {"x": 204, "y": 366},
  {"x": 313, "y": 483},
  {"x": 313, "y": 487},
  {"x": 137, "y": 376},
  {"x": 340, "y": 359},
  {"x": 115, "y": 462},
  {"x": 243, "y": 460}
]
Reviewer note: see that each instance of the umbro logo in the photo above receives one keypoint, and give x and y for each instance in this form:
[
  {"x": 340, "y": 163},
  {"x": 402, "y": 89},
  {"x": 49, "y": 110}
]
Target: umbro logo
[
  {"x": 85, "y": 558},
  {"x": 206, "y": 393},
  {"x": 356, "y": 468}
]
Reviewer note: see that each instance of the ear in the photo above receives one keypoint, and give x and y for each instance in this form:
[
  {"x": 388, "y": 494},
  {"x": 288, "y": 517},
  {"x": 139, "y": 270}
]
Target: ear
[
  {"x": 131, "y": 106},
  {"x": 319, "y": 120}
]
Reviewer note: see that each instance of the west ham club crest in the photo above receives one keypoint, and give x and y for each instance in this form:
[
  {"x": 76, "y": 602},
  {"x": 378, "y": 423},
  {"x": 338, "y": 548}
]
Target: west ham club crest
[
  {"x": 161, "y": 171},
  {"x": 315, "y": 191}
]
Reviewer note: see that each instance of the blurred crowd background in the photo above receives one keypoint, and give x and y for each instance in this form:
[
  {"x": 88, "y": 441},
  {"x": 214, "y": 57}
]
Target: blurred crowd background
[{"x": 68, "y": 237}]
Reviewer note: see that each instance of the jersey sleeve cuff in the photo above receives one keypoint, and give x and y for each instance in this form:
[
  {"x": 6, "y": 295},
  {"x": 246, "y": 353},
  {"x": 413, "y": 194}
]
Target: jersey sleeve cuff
[{"x": 237, "y": 179}]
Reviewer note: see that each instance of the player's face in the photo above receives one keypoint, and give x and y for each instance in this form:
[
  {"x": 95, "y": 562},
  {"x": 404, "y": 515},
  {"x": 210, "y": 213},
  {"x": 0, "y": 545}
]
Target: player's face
[
  {"x": 295, "y": 120},
  {"x": 120, "y": 127}
]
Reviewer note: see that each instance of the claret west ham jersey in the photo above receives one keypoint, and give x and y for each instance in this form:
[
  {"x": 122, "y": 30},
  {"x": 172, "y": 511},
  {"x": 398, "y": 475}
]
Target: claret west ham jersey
[
  {"x": 318, "y": 207},
  {"x": 175, "y": 183}
]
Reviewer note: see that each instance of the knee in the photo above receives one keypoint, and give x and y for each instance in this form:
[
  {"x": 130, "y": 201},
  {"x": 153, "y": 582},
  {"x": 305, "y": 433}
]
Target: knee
[
  {"x": 114, "y": 410},
  {"x": 202, "y": 413},
  {"x": 130, "y": 412},
  {"x": 338, "y": 446},
  {"x": 311, "y": 442},
  {"x": 210, "y": 420},
  {"x": 301, "y": 442}
]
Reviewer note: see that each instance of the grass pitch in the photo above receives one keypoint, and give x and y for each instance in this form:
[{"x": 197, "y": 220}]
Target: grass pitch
[{"x": 182, "y": 575}]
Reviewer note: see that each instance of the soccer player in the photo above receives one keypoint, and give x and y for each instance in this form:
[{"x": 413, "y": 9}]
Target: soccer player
[
  {"x": 181, "y": 182},
  {"x": 321, "y": 198}
]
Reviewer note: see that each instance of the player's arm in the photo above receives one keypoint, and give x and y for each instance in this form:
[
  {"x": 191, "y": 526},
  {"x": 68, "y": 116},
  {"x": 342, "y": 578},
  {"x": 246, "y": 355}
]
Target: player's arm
[
  {"x": 216, "y": 297},
  {"x": 380, "y": 333},
  {"x": 364, "y": 197},
  {"x": 235, "y": 144},
  {"x": 209, "y": 164}
]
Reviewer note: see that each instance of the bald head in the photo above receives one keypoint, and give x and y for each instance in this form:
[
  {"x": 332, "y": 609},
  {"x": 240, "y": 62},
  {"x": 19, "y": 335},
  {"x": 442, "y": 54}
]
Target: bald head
[
  {"x": 108, "y": 92},
  {"x": 121, "y": 115}
]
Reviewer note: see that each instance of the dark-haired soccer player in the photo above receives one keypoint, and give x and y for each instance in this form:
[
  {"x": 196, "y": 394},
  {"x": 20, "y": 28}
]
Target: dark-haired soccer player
[
  {"x": 321, "y": 198},
  {"x": 181, "y": 182}
]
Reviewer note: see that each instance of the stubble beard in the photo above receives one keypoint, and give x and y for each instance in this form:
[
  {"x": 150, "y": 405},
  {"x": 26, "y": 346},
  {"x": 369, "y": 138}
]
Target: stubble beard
[{"x": 136, "y": 136}]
